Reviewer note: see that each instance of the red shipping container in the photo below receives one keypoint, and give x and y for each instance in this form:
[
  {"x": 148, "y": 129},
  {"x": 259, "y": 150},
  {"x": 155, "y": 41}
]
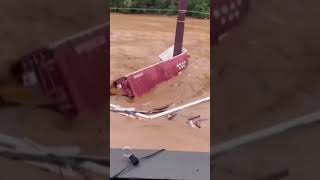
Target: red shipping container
[
  {"x": 71, "y": 72},
  {"x": 138, "y": 83},
  {"x": 174, "y": 60}
]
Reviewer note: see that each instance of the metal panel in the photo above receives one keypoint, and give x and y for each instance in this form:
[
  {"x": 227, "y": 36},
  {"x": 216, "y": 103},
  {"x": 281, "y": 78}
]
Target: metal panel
[
  {"x": 72, "y": 72},
  {"x": 142, "y": 81},
  {"x": 83, "y": 64}
]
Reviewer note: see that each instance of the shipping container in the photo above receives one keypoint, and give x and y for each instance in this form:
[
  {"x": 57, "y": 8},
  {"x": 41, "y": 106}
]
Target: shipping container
[
  {"x": 173, "y": 61},
  {"x": 138, "y": 83},
  {"x": 72, "y": 72}
]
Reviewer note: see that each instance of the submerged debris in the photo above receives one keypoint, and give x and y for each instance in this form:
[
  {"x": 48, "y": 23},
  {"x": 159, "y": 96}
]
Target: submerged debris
[
  {"x": 129, "y": 112},
  {"x": 173, "y": 115},
  {"x": 192, "y": 118},
  {"x": 195, "y": 121},
  {"x": 192, "y": 124},
  {"x": 115, "y": 92},
  {"x": 133, "y": 113},
  {"x": 159, "y": 110},
  {"x": 156, "y": 113}
]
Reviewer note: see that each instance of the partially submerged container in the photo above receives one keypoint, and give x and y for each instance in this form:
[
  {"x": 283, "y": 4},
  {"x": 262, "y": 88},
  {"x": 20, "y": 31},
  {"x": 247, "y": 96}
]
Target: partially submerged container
[
  {"x": 72, "y": 72},
  {"x": 173, "y": 61},
  {"x": 138, "y": 83}
]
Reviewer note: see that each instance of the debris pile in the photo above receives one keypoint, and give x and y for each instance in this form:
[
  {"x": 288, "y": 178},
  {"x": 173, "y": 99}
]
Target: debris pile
[
  {"x": 133, "y": 113},
  {"x": 195, "y": 122}
]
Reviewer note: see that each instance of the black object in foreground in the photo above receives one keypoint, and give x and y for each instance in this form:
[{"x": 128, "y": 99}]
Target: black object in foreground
[
  {"x": 135, "y": 161},
  {"x": 170, "y": 165}
]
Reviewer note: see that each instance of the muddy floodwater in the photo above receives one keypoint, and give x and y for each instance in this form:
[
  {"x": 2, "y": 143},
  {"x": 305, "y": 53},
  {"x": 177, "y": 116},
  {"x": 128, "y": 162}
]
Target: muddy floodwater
[{"x": 135, "y": 42}]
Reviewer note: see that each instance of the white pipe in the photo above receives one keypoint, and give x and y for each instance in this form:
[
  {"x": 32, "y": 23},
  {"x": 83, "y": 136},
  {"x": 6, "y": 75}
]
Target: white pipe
[
  {"x": 178, "y": 108},
  {"x": 170, "y": 111}
]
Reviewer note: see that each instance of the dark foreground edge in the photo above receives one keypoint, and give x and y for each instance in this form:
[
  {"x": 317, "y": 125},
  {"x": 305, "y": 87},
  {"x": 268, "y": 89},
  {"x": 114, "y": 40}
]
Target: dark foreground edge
[{"x": 171, "y": 165}]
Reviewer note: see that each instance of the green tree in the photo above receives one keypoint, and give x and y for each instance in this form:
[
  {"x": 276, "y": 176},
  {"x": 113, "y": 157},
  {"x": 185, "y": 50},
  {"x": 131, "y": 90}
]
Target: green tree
[{"x": 171, "y": 5}]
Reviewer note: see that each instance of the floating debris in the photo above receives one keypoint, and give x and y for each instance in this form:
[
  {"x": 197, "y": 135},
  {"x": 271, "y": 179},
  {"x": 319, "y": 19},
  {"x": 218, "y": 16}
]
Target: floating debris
[
  {"x": 173, "y": 115},
  {"x": 192, "y": 118},
  {"x": 159, "y": 110},
  {"x": 195, "y": 121},
  {"x": 132, "y": 112}
]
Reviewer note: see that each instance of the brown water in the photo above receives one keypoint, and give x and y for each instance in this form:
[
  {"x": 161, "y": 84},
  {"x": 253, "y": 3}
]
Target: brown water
[{"x": 136, "y": 41}]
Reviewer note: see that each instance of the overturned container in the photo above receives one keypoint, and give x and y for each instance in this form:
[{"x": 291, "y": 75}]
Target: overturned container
[
  {"x": 138, "y": 83},
  {"x": 72, "y": 72}
]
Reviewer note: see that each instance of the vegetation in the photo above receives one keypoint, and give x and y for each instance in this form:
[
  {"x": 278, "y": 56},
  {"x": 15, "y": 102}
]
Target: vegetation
[{"x": 168, "y": 7}]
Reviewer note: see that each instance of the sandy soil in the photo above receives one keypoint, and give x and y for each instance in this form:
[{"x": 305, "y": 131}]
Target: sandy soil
[
  {"x": 25, "y": 26},
  {"x": 136, "y": 41},
  {"x": 266, "y": 71}
]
